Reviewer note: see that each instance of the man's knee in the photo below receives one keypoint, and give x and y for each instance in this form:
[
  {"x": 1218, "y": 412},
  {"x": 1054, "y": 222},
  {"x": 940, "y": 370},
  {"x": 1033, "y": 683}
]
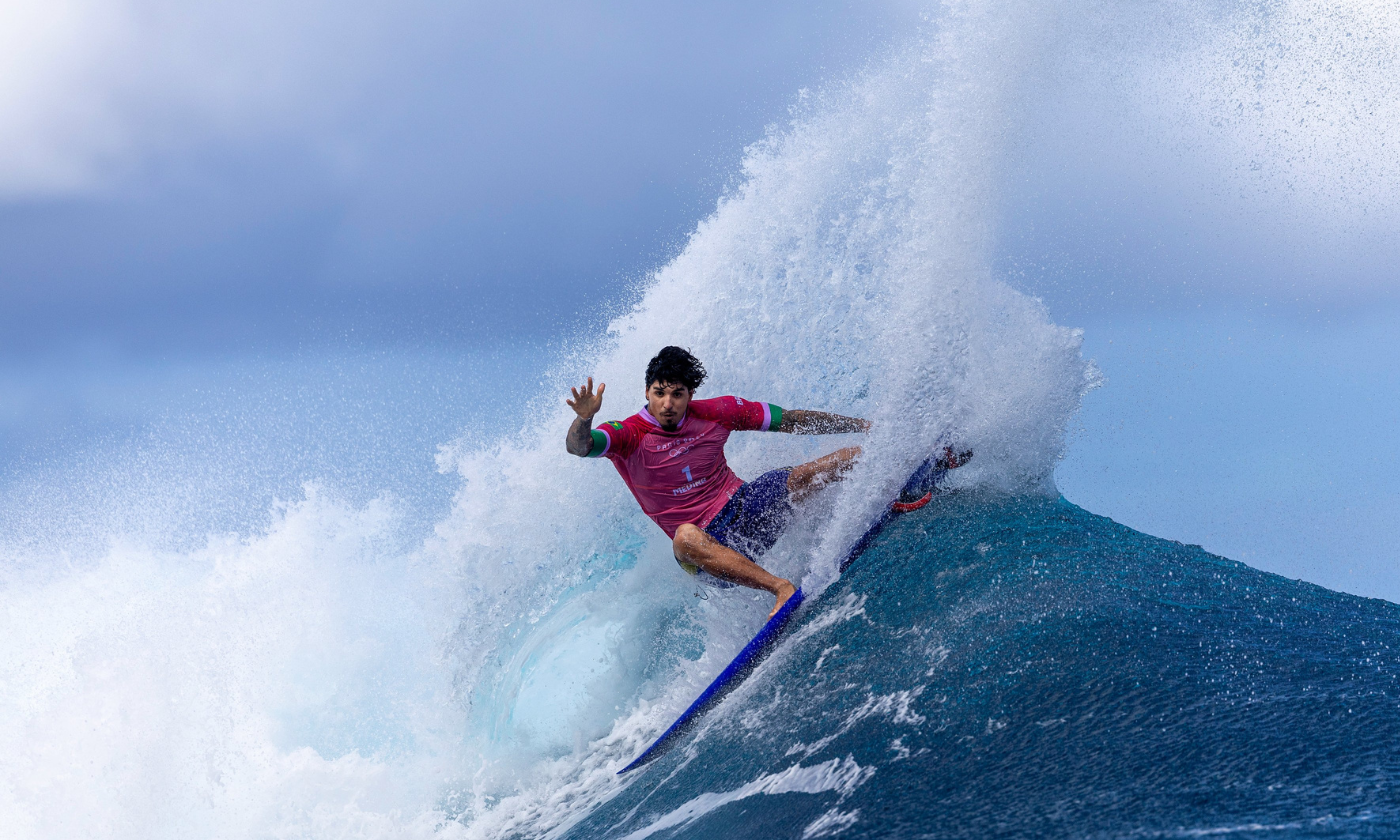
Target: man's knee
[{"x": 688, "y": 538}]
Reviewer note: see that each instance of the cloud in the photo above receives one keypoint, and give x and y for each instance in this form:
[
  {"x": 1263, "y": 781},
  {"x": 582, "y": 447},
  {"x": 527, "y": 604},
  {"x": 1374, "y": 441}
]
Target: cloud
[
  {"x": 245, "y": 158},
  {"x": 54, "y": 121},
  {"x": 90, "y": 89},
  {"x": 210, "y": 167}
]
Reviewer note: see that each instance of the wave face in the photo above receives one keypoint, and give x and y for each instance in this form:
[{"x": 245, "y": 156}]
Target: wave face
[{"x": 1019, "y": 667}]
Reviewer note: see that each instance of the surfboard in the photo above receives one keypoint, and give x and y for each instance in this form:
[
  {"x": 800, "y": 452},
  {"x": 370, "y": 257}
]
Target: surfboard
[
  {"x": 916, "y": 493},
  {"x": 728, "y": 680}
]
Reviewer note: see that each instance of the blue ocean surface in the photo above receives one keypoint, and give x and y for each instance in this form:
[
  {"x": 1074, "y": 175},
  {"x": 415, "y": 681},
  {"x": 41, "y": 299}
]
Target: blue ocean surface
[{"x": 1015, "y": 666}]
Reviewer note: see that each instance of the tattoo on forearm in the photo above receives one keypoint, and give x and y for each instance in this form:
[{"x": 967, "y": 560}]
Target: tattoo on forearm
[
  {"x": 579, "y": 441},
  {"x": 804, "y": 422}
]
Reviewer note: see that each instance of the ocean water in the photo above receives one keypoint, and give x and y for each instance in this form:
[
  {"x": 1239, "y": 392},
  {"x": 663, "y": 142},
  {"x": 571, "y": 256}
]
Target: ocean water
[
  {"x": 1015, "y": 666},
  {"x": 352, "y": 596}
]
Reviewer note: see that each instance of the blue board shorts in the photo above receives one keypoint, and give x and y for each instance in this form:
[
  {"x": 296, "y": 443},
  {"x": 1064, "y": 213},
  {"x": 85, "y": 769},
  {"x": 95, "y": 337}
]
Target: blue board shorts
[{"x": 751, "y": 522}]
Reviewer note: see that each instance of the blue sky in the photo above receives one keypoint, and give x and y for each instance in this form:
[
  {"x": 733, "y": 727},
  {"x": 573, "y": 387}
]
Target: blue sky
[{"x": 1208, "y": 189}]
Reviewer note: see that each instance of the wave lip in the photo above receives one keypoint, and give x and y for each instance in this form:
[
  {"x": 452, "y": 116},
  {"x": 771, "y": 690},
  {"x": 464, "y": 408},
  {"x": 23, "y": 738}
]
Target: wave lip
[{"x": 1014, "y": 666}]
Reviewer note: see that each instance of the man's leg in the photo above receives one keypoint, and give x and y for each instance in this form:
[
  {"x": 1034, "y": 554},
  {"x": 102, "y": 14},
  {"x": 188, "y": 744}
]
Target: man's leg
[
  {"x": 808, "y": 478},
  {"x": 693, "y": 545}
]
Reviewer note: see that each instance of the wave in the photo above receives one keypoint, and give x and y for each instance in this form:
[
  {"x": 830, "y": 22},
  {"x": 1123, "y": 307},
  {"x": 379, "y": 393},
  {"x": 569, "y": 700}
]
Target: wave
[
  {"x": 335, "y": 672},
  {"x": 1015, "y": 666},
  {"x": 849, "y": 271}
]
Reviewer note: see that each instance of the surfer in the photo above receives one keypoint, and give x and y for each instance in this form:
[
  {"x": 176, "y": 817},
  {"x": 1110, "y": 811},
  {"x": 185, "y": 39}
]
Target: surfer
[{"x": 671, "y": 456}]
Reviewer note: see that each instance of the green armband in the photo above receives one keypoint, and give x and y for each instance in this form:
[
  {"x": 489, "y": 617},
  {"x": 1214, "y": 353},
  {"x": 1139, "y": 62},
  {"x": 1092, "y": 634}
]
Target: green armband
[
  {"x": 777, "y": 417},
  {"x": 600, "y": 444}
]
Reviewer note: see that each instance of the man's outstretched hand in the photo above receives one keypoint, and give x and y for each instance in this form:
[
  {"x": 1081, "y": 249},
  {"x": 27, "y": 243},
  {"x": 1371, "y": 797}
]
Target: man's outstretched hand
[
  {"x": 586, "y": 403},
  {"x": 579, "y": 440}
]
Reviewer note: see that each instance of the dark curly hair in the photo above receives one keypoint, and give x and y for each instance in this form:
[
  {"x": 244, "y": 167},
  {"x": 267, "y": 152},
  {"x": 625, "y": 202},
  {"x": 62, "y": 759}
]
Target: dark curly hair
[{"x": 676, "y": 366}]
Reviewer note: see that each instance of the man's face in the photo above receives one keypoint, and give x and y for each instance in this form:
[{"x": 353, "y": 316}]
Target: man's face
[{"x": 667, "y": 403}]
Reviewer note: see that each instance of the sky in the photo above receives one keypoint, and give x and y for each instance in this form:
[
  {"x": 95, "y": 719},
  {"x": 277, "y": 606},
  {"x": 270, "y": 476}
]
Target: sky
[
  {"x": 220, "y": 176},
  {"x": 1210, "y": 190}
]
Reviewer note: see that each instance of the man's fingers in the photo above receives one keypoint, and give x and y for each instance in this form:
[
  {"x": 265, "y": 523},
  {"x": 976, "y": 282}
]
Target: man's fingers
[{"x": 584, "y": 396}]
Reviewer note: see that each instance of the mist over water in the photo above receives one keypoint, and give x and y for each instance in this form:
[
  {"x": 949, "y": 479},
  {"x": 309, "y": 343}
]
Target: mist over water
[{"x": 365, "y": 661}]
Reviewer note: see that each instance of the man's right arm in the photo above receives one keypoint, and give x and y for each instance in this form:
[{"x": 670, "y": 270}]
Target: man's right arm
[{"x": 579, "y": 440}]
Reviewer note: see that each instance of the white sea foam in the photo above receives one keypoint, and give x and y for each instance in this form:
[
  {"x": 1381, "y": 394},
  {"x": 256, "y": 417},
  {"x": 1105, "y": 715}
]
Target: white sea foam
[
  {"x": 272, "y": 685},
  {"x": 839, "y": 775},
  {"x": 1293, "y": 104}
]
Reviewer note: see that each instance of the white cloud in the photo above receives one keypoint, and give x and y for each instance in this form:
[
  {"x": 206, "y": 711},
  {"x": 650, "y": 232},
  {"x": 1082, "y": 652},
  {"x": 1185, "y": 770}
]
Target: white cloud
[
  {"x": 55, "y": 124},
  {"x": 89, "y": 86}
]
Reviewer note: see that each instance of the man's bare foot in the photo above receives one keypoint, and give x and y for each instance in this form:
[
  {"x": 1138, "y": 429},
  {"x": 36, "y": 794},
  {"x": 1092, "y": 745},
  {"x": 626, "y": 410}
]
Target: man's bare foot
[{"x": 784, "y": 591}]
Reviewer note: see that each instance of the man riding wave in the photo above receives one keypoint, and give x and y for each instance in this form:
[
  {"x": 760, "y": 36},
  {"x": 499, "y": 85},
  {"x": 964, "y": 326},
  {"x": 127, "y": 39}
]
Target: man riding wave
[{"x": 671, "y": 456}]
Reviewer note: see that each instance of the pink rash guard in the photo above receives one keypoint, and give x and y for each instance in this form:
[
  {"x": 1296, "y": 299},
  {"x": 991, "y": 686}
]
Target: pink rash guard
[{"x": 681, "y": 476}]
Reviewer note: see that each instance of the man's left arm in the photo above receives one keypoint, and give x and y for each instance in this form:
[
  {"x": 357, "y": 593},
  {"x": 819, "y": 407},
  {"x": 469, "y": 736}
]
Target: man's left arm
[
  {"x": 798, "y": 421},
  {"x": 742, "y": 415}
]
